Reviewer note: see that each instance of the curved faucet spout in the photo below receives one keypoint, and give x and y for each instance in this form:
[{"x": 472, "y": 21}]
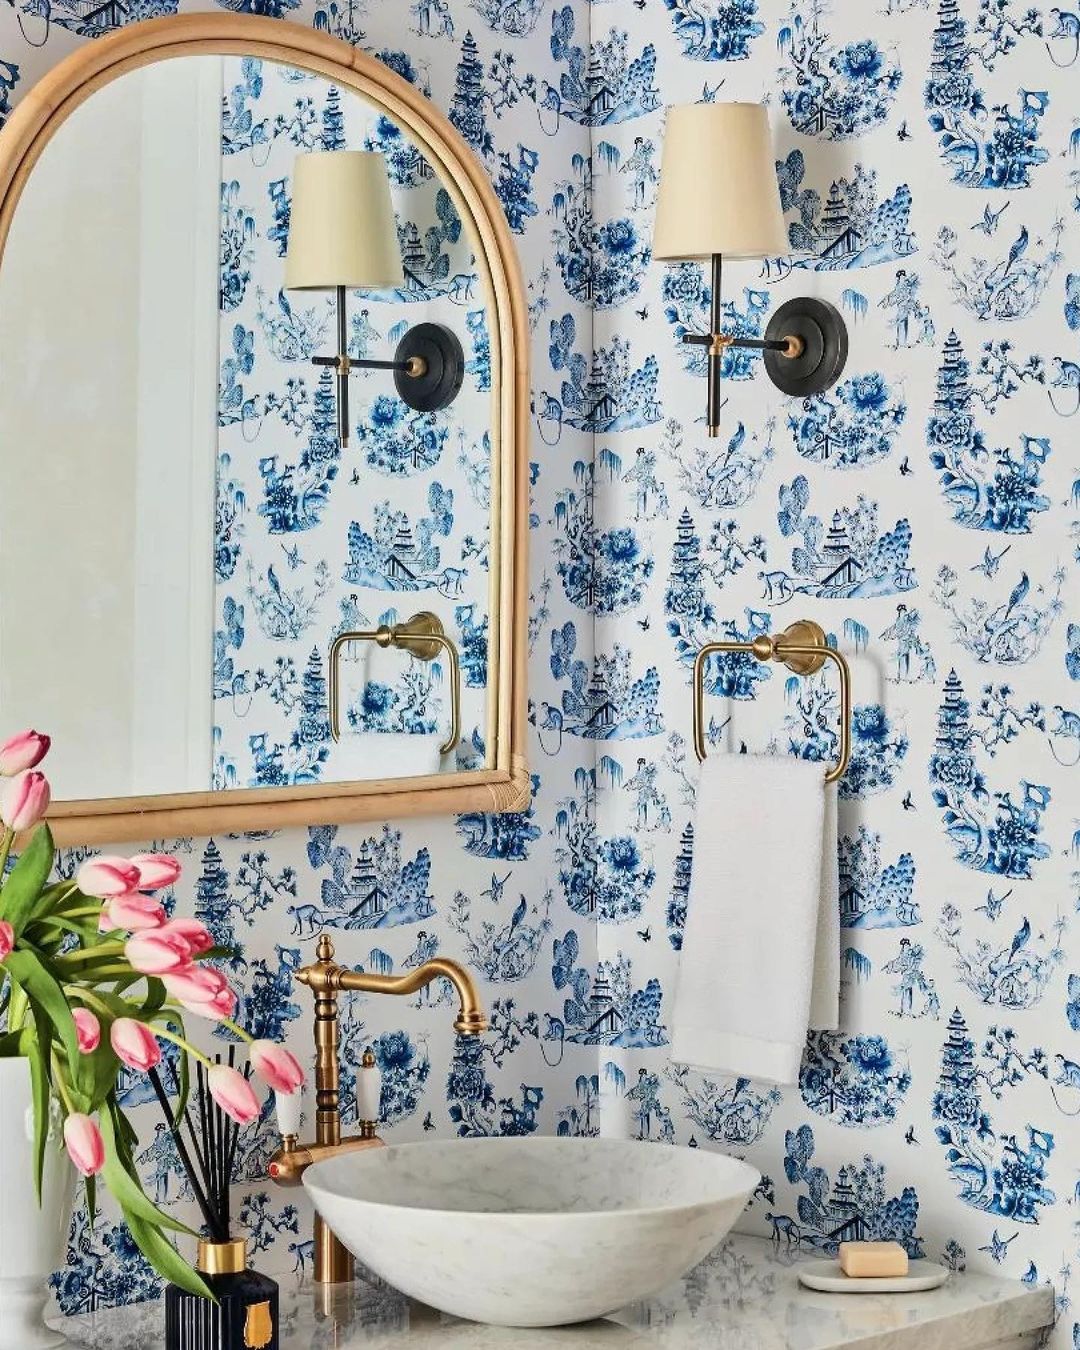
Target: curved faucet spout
[{"x": 326, "y": 975}]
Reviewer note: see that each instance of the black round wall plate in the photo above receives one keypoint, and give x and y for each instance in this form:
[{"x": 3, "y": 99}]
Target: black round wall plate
[
  {"x": 825, "y": 346},
  {"x": 444, "y": 367}
]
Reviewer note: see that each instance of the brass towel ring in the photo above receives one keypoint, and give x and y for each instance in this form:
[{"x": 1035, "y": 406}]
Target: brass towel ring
[
  {"x": 421, "y": 636},
  {"x": 803, "y": 649}
]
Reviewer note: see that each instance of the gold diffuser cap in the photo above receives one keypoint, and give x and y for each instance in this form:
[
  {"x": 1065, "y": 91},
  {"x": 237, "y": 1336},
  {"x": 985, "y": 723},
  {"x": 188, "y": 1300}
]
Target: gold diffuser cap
[{"x": 222, "y": 1258}]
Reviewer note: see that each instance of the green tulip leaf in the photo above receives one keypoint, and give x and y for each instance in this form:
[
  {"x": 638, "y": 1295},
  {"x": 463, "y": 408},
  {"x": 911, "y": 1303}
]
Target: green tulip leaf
[
  {"x": 164, "y": 1257},
  {"x": 35, "y": 1042},
  {"x": 23, "y": 886},
  {"x": 41, "y": 988},
  {"x": 125, "y": 1187}
]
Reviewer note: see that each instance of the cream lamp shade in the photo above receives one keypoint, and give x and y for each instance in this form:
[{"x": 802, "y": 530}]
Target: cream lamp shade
[
  {"x": 342, "y": 230},
  {"x": 718, "y": 188}
]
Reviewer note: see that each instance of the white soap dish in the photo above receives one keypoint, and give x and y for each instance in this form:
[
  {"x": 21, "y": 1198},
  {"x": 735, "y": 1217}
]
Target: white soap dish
[{"x": 827, "y": 1277}]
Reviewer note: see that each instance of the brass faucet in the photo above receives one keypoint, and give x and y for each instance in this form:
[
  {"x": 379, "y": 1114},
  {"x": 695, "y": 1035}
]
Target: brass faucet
[{"x": 326, "y": 979}]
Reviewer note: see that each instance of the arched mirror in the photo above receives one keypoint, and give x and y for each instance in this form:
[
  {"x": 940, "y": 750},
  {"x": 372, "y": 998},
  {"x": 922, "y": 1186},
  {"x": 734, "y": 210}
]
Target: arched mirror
[{"x": 262, "y": 403}]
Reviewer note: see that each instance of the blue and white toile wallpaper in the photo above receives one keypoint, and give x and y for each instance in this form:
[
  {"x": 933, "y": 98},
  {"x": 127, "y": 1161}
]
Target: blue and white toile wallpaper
[{"x": 926, "y": 511}]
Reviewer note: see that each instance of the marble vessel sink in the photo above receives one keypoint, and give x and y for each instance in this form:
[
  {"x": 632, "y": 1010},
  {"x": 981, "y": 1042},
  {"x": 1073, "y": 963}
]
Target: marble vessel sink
[{"x": 530, "y": 1232}]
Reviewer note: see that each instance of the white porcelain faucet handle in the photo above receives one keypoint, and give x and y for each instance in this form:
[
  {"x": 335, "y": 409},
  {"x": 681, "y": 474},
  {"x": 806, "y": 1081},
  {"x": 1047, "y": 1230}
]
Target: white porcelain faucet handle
[
  {"x": 368, "y": 1092},
  {"x": 287, "y": 1107}
]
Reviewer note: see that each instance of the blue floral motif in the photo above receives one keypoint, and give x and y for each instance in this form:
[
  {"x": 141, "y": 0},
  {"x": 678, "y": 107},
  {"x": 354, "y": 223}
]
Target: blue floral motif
[
  {"x": 855, "y": 1081},
  {"x": 830, "y": 91},
  {"x": 721, "y": 30},
  {"x": 853, "y": 425}
]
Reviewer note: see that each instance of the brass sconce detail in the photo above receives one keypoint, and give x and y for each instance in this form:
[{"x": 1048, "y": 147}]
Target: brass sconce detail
[
  {"x": 803, "y": 649},
  {"x": 326, "y": 980},
  {"x": 423, "y": 637}
]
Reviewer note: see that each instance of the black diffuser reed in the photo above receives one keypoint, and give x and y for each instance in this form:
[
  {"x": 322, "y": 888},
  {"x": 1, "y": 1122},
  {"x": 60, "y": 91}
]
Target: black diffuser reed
[{"x": 243, "y": 1314}]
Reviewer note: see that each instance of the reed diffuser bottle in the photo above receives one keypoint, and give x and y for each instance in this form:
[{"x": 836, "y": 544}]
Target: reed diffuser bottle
[{"x": 243, "y": 1314}]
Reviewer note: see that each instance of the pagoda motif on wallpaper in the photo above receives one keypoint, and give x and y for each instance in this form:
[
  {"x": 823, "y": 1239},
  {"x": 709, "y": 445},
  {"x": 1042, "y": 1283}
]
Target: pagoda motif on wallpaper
[
  {"x": 984, "y": 146},
  {"x": 606, "y": 702},
  {"x": 873, "y": 894},
  {"x": 996, "y": 832},
  {"x": 603, "y": 394},
  {"x": 988, "y": 489},
  {"x": 600, "y": 83},
  {"x": 1000, "y": 1174},
  {"x": 853, "y": 227}
]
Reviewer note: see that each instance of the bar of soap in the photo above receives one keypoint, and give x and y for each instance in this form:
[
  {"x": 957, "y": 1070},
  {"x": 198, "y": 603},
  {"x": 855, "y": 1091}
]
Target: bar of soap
[{"x": 873, "y": 1260}]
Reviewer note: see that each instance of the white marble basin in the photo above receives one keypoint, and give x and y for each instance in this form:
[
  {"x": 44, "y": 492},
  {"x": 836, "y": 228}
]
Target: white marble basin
[{"x": 530, "y": 1232}]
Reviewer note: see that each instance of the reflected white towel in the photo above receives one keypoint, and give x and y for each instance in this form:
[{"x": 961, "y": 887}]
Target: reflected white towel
[
  {"x": 761, "y": 949},
  {"x": 388, "y": 754}
]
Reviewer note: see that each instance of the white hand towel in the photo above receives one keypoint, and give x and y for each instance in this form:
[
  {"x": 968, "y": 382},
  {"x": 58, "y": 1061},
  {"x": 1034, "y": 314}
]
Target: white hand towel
[{"x": 761, "y": 949}]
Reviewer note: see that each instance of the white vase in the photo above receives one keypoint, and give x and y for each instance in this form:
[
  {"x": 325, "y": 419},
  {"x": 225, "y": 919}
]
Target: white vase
[{"x": 33, "y": 1237}]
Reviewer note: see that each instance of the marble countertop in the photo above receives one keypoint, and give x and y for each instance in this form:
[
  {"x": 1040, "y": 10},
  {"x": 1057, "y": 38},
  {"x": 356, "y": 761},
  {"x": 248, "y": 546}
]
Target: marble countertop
[{"x": 744, "y": 1296}]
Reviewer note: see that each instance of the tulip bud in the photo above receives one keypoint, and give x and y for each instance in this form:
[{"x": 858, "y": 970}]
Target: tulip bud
[
  {"x": 134, "y": 1044},
  {"x": 87, "y": 1030},
  {"x": 135, "y": 912},
  {"x": 233, "y": 1093},
  {"x": 25, "y": 800},
  {"x": 276, "y": 1066},
  {"x": 7, "y": 939},
  {"x": 155, "y": 870},
  {"x": 84, "y": 1144},
  {"x": 24, "y": 751},
  {"x": 202, "y": 991},
  {"x": 105, "y": 877},
  {"x": 195, "y": 934},
  {"x": 156, "y": 952}
]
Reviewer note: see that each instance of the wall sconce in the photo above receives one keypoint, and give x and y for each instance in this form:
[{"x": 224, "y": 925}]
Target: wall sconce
[
  {"x": 719, "y": 197},
  {"x": 342, "y": 237}
]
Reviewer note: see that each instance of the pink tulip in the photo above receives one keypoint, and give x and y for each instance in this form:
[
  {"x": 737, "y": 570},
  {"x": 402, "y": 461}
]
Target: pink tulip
[
  {"x": 276, "y": 1066},
  {"x": 87, "y": 1030},
  {"x": 24, "y": 800},
  {"x": 135, "y": 912},
  {"x": 104, "y": 878},
  {"x": 202, "y": 990},
  {"x": 134, "y": 1044},
  {"x": 157, "y": 952},
  {"x": 195, "y": 934},
  {"x": 84, "y": 1143},
  {"x": 155, "y": 870},
  {"x": 233, "y": 1093},
  {"x": 24, "y": 751},
  {"x": 7, "y": 939}
]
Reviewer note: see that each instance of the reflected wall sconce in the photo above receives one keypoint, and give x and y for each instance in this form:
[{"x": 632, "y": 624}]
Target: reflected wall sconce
[
  {"x": 718, "y": 198},
  {"x": 342, "y": 237}
]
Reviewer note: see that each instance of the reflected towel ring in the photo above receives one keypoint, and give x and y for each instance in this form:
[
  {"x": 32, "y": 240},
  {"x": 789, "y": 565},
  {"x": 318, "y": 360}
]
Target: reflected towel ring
[
  {"x": 421, "y": 636},
  {"x": 803, "y": 649}
]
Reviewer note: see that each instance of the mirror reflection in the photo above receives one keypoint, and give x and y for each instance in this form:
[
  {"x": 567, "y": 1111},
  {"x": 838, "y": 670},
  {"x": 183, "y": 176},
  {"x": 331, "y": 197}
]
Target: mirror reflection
[{"x": 249, "y": 449}]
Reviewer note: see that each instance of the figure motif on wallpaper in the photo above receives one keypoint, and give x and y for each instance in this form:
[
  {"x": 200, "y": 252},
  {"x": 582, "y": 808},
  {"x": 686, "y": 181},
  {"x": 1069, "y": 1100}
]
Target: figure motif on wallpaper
[
  {"x": 853, "y": 560},
  {"x": 652, "y": 1116},
  {"x": 734, "y": 1113},
  {"x": 503, "y": 950},
  {"x": 873, "y": 894},
  {"x": 651, "y": 811},
  {"x": 989, "y": 830},
  {"x": 853, "y": 1080},
  {"x": 984, "y": 146},
  {"x": 602, "y": 571},
  {"x": 998, "y": 1174},
  {"x": 602, "y": 83},
  {"x": 1011, "y": 974},
  {"x": 911, "y": 320},
  {"x": 1010, "y": 633},
  {"x": 1002, "y": 288},
  {"x": 601, "y": 264},
  {"x": 856, "y": 1207},
  {"x": 606, "y": 1007},
  {"x": 855, "y": 226},
  {"x": 1065, "y": 35},
  {"x": 650, "y": 495},
  {"x": 432, "y": 19},
  {"x": 915, "y": 990},
  {"x": 912, "y": 659},
  {"x": 828, "y": 90},
  {"x": 715, "y": 30},
  {"x": 687, "y": 299},
  {"x": 580, "y": 1120},
  {"x": 852, "y": 426},
  {"x": 987, "y": 489},
  {"x": 607, "y": 394},
  {"x": 1066, "y": 375}
]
